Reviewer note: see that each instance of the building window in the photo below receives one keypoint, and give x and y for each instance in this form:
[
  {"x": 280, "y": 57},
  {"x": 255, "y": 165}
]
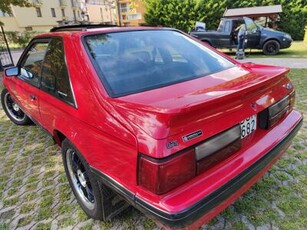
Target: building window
[
  {"x": 135, "y": 16},
  {"x": 38, "y": 12},
  {"x": 124, "y": 7},
  {"x": 29, "y": 28},
  {"x": 53, "y": 12},
  {"x": 75, "y": 15},
  {"x": 63, "y": 12}
]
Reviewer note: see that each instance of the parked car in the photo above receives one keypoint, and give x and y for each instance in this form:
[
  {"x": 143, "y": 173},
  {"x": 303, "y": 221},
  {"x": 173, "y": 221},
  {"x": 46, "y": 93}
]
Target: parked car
[
  {"x": 257, "y": 37},
  {"x": 153, "y": 118}
]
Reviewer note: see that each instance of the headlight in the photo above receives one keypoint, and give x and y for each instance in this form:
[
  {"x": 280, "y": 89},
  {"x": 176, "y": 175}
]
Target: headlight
[{"x": 287, "y": 36}]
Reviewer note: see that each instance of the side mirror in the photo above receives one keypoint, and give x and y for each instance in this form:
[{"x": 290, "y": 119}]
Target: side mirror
[{"x": 12, "y": 71}]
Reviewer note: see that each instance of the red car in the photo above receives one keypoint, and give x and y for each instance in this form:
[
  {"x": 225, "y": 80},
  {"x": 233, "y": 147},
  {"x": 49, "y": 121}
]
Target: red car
[{"x": 152, "y": 118}]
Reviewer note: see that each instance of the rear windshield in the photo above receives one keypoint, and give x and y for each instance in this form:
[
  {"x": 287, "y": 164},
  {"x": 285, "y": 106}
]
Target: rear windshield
[{"x": 136, "y": 61}]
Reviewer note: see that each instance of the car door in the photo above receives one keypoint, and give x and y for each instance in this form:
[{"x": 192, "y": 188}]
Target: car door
[
  {"x": 252, "y": 33},
  {"x": 223, "y": 38},
  {"x": 27, "y": 83}
]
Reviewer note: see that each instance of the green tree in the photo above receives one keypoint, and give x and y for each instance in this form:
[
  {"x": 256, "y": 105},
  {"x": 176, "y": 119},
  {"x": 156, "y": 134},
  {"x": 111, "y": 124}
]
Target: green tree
[
  {"x": 5, "y": 4},
  {"x": 210, "y": 12},
  {"x": 180, "y": 14}
]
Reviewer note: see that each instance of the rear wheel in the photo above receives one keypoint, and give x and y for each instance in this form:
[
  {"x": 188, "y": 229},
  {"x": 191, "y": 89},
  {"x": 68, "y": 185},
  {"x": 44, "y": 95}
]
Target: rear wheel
[
  {"x": 271, "y": 47},
  {"x": 97, "y": 200},
  {"x": 82, "y": 182},
  {"x": 12, "y": 109}
]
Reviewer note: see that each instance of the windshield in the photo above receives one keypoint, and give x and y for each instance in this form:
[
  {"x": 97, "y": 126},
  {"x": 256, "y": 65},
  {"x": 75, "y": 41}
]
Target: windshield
[{"x": 136, "y": 61}]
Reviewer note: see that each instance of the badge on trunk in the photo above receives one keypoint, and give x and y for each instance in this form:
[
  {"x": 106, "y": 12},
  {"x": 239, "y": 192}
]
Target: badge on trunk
[{"x": 192, "y": 136}]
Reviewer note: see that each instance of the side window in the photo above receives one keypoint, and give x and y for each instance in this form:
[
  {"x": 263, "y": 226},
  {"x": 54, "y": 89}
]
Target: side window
[
  {"x": 30, "y": 67},
  {"x": 227, "y": 27},
  {"x": 250, "y": 25},
  {"x": 55, "y": 79}
]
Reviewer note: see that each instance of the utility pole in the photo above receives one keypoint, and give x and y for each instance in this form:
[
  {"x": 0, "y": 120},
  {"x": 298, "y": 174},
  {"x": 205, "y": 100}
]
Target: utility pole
[{"x": 119, "y": 13}]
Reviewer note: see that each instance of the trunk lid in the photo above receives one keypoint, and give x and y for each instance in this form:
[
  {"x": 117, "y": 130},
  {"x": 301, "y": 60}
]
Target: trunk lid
[{"x": 219, "y": 97}]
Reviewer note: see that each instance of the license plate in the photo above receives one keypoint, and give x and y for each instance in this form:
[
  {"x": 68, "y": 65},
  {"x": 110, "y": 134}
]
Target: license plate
[{"x": 248, "y": 126}]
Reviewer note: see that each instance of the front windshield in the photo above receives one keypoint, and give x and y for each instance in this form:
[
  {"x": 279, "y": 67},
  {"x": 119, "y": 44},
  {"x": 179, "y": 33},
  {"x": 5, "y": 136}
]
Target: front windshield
[{"x": 136, "y": 61}]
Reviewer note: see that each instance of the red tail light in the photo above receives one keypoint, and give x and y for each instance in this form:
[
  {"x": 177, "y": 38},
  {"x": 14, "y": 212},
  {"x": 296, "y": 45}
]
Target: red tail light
[
  {"x": 269, "y": 117},
  {"x": 161, "y": 175}
]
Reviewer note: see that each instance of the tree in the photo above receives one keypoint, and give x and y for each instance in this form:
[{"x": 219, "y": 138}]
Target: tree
[
  {"x": 5, "y": 4},
  {"x": 210, "y": 12},
  {"x": 180, "y": 14}
]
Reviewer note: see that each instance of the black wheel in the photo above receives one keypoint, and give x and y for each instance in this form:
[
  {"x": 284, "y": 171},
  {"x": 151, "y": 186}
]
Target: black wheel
[
  {"x": 271, "y": 47},
  {"x": 84, "y": 185},
  {"x": 12, "y": 109}
]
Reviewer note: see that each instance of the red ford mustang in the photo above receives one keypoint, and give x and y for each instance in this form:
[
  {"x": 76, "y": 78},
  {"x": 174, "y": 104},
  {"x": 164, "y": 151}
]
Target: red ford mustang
[{"x": 152, "y": 118}]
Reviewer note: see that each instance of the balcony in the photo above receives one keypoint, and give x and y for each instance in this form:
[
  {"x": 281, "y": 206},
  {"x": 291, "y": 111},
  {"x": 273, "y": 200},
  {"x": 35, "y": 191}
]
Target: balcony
[
  {"x": 63, "y": 3},
  {"x": 75, "y": 4},
  {"x": 37, "y": 3}
]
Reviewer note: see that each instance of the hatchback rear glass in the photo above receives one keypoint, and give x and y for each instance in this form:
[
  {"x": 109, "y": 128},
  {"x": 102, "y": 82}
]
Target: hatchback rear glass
[{"x": 135, "y": 61}]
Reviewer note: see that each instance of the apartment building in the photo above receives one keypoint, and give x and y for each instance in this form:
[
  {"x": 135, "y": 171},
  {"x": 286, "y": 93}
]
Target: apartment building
[
  {"x": 131, "y": 12},
  {"x": 45, "y": 14}
]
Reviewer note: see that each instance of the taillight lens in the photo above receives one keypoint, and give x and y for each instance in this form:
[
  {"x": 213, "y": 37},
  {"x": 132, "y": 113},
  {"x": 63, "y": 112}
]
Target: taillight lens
[
  {"x": 161, "y": 175},
  {"x": 270, "y": 116}
]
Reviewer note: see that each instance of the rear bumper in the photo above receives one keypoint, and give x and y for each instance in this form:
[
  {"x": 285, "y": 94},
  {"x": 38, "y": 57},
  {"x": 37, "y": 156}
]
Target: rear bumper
[
  {"x": 238, "y": 185},
  {"x": 209, "y": 206}
]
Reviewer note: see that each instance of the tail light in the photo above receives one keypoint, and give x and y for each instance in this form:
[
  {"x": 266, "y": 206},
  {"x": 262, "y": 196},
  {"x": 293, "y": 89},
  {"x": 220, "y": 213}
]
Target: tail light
[
  {"x": 161, "y": 175},
  {"x": 270, "y": 116}
]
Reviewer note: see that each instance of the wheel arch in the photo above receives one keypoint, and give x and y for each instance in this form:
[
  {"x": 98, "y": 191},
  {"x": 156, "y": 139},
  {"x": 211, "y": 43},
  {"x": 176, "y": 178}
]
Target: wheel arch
[
  {"x": 58, "y": 137},
  {"x": 207, "y": 42},
  {"x": 269, "y": 39}
]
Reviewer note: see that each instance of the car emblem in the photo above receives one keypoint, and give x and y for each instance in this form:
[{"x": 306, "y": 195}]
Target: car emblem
[
  {"x": 192, "y": 136},
  {"x": 172, "y": 144},
  {"x": 289, "y": 86}
]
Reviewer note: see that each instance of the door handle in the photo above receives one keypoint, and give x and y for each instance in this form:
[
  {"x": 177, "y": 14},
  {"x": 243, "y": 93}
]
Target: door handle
[{"x": 32, "y": 97}]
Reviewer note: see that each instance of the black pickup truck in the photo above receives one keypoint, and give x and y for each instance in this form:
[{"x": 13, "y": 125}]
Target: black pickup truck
[{"x": 257, "y": 37}]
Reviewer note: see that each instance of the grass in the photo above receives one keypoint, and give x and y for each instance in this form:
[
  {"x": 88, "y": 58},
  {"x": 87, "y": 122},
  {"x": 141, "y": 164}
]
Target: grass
[
  {"x": 34, "y": 190},
  {"x": 298, "y": 49}
]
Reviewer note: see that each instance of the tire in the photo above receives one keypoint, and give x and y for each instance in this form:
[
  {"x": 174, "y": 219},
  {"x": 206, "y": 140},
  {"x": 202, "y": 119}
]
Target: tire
[
  {"x": 84, "y": 185},
  {"x": 12, "y": 110},
  {"x": 271, "y": 47}
]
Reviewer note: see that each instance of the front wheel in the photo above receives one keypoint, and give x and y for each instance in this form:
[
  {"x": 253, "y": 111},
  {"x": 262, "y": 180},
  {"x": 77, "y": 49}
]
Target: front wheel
[
  {"x": 271, "y": 47},
  {"x": 12, "y": 109}
]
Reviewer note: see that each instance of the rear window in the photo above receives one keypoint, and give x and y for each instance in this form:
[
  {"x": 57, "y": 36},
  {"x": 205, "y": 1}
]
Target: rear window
[{"x": 136, "y": 61}]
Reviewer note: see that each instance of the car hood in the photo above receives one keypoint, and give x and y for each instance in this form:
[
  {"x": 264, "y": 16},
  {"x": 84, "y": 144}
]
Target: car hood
[
  {"x": 273, "y": 32},
  {"x": 169, "y": 110}
]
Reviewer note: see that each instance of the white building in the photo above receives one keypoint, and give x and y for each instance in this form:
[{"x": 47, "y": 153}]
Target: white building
[{"x": 46, "y": 14}]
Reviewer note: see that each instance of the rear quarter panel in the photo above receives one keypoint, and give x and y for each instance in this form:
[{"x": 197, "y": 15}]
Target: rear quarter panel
[{"x": 102, "y": 140}]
